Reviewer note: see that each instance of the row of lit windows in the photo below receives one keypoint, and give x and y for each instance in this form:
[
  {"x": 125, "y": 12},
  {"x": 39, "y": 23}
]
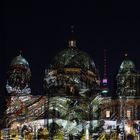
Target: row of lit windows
[{"x": 128, "y": 114}]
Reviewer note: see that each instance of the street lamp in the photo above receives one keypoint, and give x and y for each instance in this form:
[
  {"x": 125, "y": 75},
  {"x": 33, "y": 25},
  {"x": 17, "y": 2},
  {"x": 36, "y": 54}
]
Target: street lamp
[
  {"x": 138, "y": 130},
  {"x": 19, "y": 131},
  {"x": 122, "y": 116},
  {"x": 122, "y": 130}
]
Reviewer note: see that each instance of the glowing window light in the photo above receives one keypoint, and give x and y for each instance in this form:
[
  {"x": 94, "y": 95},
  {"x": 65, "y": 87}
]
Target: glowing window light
[
  {"x": 107, "y": 113},
  {"x": 129, "y": 113},
  {"x": 72, "y": 43}
]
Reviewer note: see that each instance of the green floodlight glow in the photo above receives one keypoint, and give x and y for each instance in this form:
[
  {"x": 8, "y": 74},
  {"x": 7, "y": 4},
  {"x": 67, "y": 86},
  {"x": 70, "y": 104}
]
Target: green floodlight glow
[{"x": 104, "y": 91}]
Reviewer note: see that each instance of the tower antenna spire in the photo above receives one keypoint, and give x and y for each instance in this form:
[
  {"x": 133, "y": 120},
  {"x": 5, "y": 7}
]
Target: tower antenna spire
[
  {"x": 105, "y": 89},
  {"x": 105, "y": 64}
]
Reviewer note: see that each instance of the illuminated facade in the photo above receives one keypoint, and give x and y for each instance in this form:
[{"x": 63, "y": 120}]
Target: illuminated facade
[
  {"x": 22, "y": 107},
  {"x": 128, "y": 90},
  {"x": 125, "y": 107},
  {"x": 72, "y": 87},
  {"x": 73, "y": 104},
  {"x": 72, "y": 83}
]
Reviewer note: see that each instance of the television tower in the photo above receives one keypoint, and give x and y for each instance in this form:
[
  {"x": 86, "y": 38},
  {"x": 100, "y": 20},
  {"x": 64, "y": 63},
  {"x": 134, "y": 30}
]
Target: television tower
[{"x": 105, "y": 89}]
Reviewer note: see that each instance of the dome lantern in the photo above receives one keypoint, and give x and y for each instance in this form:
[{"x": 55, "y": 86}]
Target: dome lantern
[
  {"x": 72, "y": 40},
  {"x": 127, "y": 64}
]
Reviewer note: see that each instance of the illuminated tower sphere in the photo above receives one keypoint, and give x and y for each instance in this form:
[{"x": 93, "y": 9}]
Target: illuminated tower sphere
[
  {"x": 127, "y": 79},
  {"x": 18, "y": 76}
]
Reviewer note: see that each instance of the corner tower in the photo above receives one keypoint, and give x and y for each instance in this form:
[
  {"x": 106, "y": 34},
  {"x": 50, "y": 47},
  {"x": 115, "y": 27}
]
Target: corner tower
[
  {"x": 127, "y": 79},
  {"x": 18, "y": 76},
  {"x": 17, "y": 86}
]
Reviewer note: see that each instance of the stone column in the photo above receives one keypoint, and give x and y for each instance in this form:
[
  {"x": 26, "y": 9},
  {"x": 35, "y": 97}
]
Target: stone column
[{"x": 135, "y": 112}]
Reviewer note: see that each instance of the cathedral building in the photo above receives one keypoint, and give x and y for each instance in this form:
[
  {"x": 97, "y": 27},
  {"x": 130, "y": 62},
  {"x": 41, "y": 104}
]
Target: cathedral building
[{"x": 73, "y": 101}]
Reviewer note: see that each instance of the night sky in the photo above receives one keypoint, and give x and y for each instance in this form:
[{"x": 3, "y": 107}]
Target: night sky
[{"x": 41, "y": 29}]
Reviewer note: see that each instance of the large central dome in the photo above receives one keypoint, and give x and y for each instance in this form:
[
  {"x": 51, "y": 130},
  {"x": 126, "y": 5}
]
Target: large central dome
[
  {"x": 73, "y": 58},
  {"x": 72, "y": 71}
]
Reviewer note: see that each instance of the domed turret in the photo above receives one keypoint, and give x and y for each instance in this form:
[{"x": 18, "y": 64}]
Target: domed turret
[
  {"x": 127, "y": 78},
  {"x": 18, "y": 76},
  {"x": 127, "y": 65},
  {"x": 19, "y": 60}
]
